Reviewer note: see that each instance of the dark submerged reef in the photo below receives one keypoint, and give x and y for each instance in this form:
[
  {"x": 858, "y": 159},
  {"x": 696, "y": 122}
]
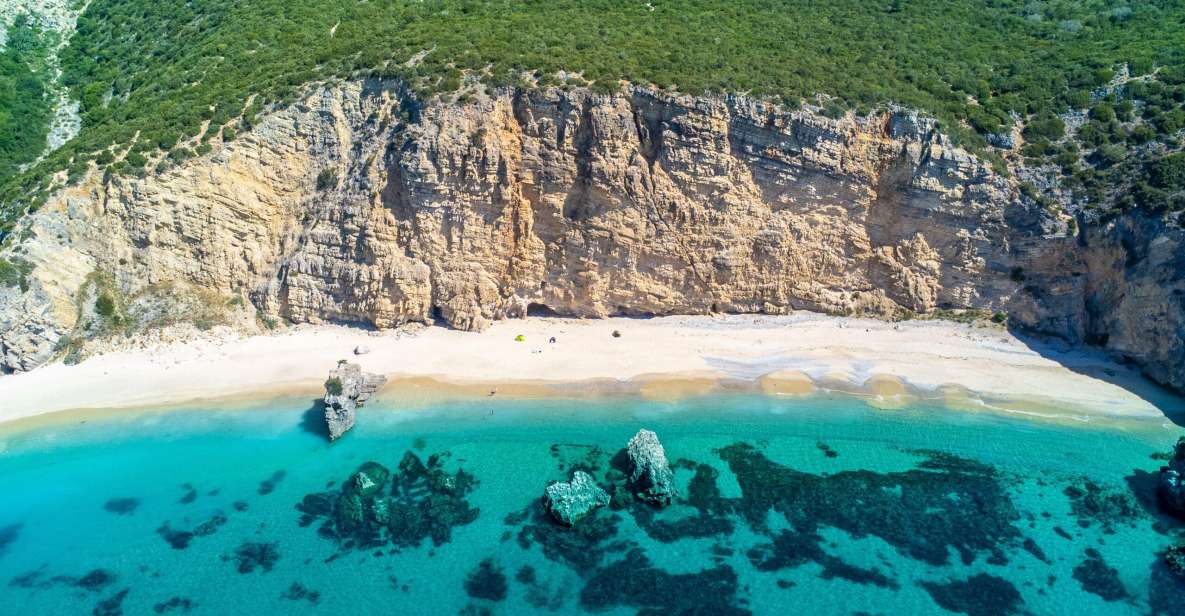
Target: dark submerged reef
[
  {"x": 1166, "y": 589},
  {"x": 113, "y": 605},
  {"x": 634, "y": 582},
  {"x": 121, "y": 506},
  {"x": 1095, "y": 504},
  {"x": 792, "y": 549},
  {"x": 298, "y": 592},
  {"x": 525, "y": 575},
  {"x": 94, "y": 581},
  {"x": 180, "y": 539},
  {"x": 422, "y": 501},
  {"x": 1174, "y": 559},
  {"x": 582, "y": 547},
  {"x": 827, "y": 450},
  {"x": 8, "y": 536},
  {"x": 575, "y": 457},
  {"x": 267, "y": 486},
  {"x": 1096, "y": 577},
  {"x": 978, "y": 595},
  {"x": 190, "y": 494},
  {"x": 174, "y": 603},
  {"x": 487, "y": 581},
  {"x": 947, "y": 502},
  {"x": 251, "y": 555}
]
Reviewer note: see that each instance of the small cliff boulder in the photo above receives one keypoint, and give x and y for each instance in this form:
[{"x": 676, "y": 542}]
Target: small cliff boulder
[
  {"x": 1171, "y": 489},
  {"x": 651, "y": 478},
  {"x": 346, "y": 389},
  {"x": 570, "y": 502}
]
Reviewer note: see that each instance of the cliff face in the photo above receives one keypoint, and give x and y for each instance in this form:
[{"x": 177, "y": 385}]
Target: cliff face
[{"x": 594, "y": 205}]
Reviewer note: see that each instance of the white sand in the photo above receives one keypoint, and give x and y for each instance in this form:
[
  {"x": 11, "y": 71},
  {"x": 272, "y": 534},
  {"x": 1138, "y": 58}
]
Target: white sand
[{"x": 930, "y": 355}]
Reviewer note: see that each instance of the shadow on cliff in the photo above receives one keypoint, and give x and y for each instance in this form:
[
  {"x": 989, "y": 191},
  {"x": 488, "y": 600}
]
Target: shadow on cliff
[
  {"x": 1098, "y": 364},
  {"x": 313, "y": 420}
]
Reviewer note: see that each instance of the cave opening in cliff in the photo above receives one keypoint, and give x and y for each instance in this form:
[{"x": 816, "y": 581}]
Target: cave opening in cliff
[{"x": 541, "y": 310}]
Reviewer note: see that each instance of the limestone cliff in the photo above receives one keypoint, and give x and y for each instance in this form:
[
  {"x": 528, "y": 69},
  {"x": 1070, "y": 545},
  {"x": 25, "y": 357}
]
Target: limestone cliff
[{"x": 585, "y": 204}]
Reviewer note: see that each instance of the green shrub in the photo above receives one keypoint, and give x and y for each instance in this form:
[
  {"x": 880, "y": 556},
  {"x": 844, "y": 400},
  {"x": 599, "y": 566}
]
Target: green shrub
[
  {"x": 326, "y": 180},
  {"x": 1045, "y": 126},
  {"x": 333, "y": 386},
  {"x": 14, "y": 273},
  {"x": 105, "y": 305},
  {"x": 1168, "y": 172}
]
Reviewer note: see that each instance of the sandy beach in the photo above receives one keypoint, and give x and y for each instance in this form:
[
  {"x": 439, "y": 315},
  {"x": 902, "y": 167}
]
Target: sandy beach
[{"x": 967, "y": 366}]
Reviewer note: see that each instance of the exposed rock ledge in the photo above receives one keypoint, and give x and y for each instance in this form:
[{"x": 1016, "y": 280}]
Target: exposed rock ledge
[
  {"x": 569, "y": 502},
  {"x": 651, "y": 476},
  {"x": 346, "y": 389},
  {"x": 583, "y": 204}
]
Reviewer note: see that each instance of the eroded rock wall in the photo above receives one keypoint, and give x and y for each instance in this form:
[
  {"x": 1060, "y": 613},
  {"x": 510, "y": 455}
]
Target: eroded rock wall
[{"x": 591, "y": 205}]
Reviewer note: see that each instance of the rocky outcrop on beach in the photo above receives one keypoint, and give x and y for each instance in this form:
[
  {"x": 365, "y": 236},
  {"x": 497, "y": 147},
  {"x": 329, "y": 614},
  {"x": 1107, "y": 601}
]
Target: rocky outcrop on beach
[
  {"x": 346, "y": 389},
  {"x": 651, "y": 477},
  {"x": 1171, "y": 487},
  {"x": 577, "y": 203},
  {"x": 569, "y": 502}
]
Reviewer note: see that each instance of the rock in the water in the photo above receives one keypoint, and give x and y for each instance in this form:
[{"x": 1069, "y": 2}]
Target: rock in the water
[
  {"x": 1171, "y": 488},
  {"x": 1174, "y": 559},
  {"x": 569, "y": 502},
  {"x": 346, "y": 389},
  {"x": 651, "y": 478}
]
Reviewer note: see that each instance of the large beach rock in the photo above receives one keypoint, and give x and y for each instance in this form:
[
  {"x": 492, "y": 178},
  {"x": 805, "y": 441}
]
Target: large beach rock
[
  {"x": 1171, "y": 488},
  {"x": 651, "y": 477},
  {"x": 570, "y": 502},
  {"x": 346, "y": 389}
]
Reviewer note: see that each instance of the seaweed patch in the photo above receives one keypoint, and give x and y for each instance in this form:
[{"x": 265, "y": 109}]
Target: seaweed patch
[
  {"x": 960, "y": 503},
  {"x": 575, "y": 457},
  {"x": 190, "y": 494},
  {"x": 298, "y": 592},
  {"x": 978, "y": 595},
  {"x": 113, "y": 605},
  {"x": 1092, "y": 503},
  {"x": 582, "y": 547},
  {"x": 8, "y": 536},
  {"x": 122, "y": 506},
  {"x": 487, "y": 581},
  {"x": 251, "y": 555},
  {"x": 181, "y": 604},
  {"x": 1098, "y": 578},
  {"x": 267, "y": 486},
  {"x": 792, "y": 549},
  {"x": 180, "y": 539},
  {"x": 633, "y": 582}
]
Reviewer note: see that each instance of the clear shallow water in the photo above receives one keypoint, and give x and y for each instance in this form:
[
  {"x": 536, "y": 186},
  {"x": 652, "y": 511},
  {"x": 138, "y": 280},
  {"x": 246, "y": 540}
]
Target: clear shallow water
[{"x": 824, "y": 504}]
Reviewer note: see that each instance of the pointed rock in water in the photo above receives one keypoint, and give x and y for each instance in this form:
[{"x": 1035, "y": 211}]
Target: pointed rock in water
[
  {"x": 346, "y": 389},
  {"x": 651, "y": 478},
  {"x": 1171, "y": 488},
  {"x": 569, "y": 502}
]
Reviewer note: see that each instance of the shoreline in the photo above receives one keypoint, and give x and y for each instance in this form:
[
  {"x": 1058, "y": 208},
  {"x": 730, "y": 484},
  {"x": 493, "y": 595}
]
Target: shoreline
[{"x": 889, "y": 365}]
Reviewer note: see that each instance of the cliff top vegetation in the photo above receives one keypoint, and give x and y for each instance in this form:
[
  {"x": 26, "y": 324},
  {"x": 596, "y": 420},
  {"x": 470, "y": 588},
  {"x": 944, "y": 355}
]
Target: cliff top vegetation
[{"x": 161, "y": 76}]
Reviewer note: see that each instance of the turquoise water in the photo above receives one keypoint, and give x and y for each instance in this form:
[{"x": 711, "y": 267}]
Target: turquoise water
[{"x": 824, "y": 505}]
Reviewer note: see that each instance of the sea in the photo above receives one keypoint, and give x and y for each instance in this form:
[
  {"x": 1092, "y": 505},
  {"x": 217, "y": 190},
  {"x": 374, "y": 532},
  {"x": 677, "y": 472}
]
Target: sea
[{"x": 820, "y": 505}]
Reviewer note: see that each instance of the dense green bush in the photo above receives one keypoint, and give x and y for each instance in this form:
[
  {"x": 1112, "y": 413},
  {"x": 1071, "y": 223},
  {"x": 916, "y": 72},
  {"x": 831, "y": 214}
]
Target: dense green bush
[
  {"x": 163, "y": 68},
  {"x": 105, "y": 305},
  {"x": 25, "y": 104},
  {"x": 1168, "y": 173},
  {"x": 326, "y": 180}
]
